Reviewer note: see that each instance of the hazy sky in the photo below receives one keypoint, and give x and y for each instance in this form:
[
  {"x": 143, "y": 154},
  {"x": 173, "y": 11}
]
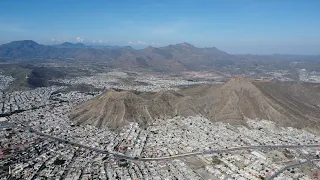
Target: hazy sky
[{"x": 238, "y": 26}]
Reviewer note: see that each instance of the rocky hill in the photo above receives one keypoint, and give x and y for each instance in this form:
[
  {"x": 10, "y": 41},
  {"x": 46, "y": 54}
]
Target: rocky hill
[
  {"x": 288, "y": 104},
  {"x": 116, "y": 108}
]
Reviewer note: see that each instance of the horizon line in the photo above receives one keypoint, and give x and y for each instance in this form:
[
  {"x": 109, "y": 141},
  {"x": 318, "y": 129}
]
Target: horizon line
[{"x": 144, "y": 46}]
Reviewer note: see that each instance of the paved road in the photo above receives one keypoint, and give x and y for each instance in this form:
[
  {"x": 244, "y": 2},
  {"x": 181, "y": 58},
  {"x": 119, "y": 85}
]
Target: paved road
[
  {"x": 289, "y": 166},
  {"x": 123, "y": 156}
]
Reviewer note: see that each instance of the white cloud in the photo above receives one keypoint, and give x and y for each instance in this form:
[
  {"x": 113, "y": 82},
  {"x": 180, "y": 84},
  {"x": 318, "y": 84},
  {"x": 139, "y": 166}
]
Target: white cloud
[
  {"x": 155, "y": 44},
  {"x": 141, "y": 42},
  {"x": 137, "y": 42},
  {"x": 98, "y": 41},
  {"x": 57, "y": 40},
  {"x": 79, "y": 39}
]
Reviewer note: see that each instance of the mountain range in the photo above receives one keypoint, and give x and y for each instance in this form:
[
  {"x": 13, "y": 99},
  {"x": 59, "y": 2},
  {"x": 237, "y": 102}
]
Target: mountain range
[
  {"x": 288, "y": 104},
  {"x": 177, "y": 57}
]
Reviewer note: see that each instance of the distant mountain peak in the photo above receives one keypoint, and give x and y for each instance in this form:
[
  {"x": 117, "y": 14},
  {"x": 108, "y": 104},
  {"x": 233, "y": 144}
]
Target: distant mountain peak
[
  {"x": 127, "y": 47},
  {"x": 80, "y": 44},
  {"x": 183, "y": 45},
  {"x": 66, "y": 43},
  {"x": 186, "y": 44},
  {"x": 149, "y": 47},
  {"x": 71, "y": 45},
  {"x": 25, "y": 42},
  {"x": 22, "y": 45}
]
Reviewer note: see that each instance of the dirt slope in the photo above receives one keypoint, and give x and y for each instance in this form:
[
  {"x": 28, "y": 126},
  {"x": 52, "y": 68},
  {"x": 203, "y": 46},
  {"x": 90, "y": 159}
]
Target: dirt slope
[
  {"x": 288, "y": 104},
  {"x": 116, "y": 108}
]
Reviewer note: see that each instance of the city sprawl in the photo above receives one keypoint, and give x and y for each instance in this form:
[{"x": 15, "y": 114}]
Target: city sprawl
[{"x": 168, "y": 148}]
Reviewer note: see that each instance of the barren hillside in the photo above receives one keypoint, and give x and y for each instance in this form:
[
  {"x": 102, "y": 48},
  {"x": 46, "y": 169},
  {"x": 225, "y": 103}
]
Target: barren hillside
[
  {"x": 288, "y": 104},
  {"x": 116, "y": 108}
]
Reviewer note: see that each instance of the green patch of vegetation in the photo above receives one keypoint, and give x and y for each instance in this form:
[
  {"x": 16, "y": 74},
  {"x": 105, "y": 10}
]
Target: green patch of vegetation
[
  {"x": 41, "y": 76},
  {"x": 28, "y": 76},
  {"x": 216, "y": 161},
  {"x": 83, "y": 88},
  {"x": 19, "y": 73}
]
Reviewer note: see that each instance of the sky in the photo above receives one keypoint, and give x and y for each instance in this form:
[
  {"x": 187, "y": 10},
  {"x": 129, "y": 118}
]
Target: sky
[{"x": 235, "y": 26}]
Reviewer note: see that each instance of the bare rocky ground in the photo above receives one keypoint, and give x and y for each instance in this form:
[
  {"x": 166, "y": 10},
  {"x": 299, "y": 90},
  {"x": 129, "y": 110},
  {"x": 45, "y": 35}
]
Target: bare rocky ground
[{"x": 288, "y": 104}]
